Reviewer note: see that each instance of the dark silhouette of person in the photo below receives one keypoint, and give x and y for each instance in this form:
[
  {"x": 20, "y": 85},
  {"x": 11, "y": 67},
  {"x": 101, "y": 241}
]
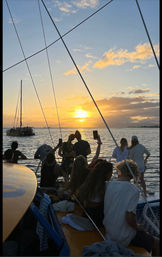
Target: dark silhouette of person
[
  {"x": 81, "y": 147},
  {"x": 12, "y": 155}
]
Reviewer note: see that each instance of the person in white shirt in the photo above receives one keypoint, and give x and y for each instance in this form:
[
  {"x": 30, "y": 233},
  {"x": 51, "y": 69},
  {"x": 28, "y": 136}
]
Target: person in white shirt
[
  {"x": 120, "y": 201},
  {"x": 121, "y": 153},
  {"x": 136, "y": 153}
]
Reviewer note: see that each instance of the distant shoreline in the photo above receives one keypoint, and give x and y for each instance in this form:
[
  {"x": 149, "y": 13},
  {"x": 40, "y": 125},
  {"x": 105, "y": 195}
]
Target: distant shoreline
[{"x": 155, "y": 126}]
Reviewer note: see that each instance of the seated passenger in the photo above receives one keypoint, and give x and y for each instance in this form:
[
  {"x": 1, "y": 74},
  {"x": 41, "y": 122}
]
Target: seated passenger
[
  {"x": 12, "y": 155},
  {"x": 50, "y": 171},
  {"x": 121, "y": 199},
  {"x": 92, "y": 191}
]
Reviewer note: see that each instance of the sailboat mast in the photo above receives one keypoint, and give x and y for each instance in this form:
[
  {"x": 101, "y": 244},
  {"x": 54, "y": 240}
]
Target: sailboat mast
[{"x": 21, "y": 104}]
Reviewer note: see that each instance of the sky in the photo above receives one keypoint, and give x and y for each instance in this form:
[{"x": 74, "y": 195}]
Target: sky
[{"x": 111, "y": 50}]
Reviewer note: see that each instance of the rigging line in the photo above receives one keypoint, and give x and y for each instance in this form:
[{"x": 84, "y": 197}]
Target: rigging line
[
  {"x": 94, "y": 224},
  {"x": 29, "y": 71},
  {"x": 92, "y": 96},
  {"x": 148, "y": 34},
  {"x": 49, "y": 66},
  {"x": 79, "y": 73},
  {"x": 43, "y": 49},
  {"x": 16, "y": 110}
]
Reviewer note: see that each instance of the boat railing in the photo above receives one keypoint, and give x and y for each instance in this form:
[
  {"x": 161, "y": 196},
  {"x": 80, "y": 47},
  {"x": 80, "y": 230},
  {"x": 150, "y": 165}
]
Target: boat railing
[
  {"x": 152, "y": 163},
  {"x": 152, "y": 167}
]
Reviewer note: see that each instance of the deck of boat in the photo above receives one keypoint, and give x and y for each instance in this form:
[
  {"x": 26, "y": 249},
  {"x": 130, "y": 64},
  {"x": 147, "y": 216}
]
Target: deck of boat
[{"x": 78, "y": 239}]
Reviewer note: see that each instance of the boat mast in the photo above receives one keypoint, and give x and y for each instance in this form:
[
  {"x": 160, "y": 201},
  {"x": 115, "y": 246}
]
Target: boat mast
[{"x": 21, "y": 104}]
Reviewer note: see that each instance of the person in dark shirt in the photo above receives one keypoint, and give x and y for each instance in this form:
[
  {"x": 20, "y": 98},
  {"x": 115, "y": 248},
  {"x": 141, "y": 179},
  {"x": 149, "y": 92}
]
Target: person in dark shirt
[
  {"x": 12, "y": 155},
  {"x": 50, "y": 171},
  {"x": 67, "y": 153},
  {"x": 81, "y": 147}
]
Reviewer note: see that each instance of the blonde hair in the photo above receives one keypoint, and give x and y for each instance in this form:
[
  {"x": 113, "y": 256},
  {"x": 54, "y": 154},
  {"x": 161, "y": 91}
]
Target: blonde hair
[{"x": 122, "y": 166}]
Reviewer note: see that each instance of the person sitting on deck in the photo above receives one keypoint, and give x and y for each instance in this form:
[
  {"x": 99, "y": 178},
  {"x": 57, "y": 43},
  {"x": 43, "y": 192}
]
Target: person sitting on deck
[
  {"x": 121, "y": 199},
  {"x": 121, "y": 153},
  {"x": 67, "y": 153},
  {"x": 92, "y": 191},
  {"x": 42, "y": 152},
  {"x": 12, "y": 155},
  {"x": 81, "y": 147},
  {"x": 50, "y": 169}
]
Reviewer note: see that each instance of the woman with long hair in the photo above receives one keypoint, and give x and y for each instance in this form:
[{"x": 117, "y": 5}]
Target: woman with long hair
[
  {"x": 121, "y": 153},
  {"x": 136, "y": 153},
  {"x": 92, "y": 191}
]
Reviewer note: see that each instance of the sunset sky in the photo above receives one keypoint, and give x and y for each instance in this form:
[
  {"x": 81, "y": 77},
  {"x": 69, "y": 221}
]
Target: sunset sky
[{"x": 111, "y": 50}]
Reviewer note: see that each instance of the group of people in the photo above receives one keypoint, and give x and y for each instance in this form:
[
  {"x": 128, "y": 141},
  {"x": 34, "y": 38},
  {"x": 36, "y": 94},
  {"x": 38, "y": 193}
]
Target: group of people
[
  {"x": 109, "y": 202},
  {"x": 136, "y": 152}
]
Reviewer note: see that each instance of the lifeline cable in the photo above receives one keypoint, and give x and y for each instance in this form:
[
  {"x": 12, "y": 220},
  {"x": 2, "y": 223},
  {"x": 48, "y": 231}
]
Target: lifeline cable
[
  {"x": 95, "y": 103},
  {"x": 94, "y": 224},
  {"x": 29, "y": 71},
  {"x": 49, "y": 66},
  {"x": 60, "y": 38},
  {"x": 147, "y": 34}
]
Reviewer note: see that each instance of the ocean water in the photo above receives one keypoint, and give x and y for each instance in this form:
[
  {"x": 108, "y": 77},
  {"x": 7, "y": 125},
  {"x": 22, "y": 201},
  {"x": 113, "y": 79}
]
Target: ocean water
[{"x": 149, "y": 137}]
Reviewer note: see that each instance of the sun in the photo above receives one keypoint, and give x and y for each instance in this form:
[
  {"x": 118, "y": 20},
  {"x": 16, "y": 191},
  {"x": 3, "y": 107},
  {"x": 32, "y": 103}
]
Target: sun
[{"x": 80, "y": 114}]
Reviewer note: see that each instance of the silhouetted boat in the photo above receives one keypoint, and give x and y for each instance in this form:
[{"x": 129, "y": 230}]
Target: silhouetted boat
[{"x": 20, "y": 131}]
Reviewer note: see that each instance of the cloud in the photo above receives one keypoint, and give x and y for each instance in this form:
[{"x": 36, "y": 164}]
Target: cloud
[
  {"x": 72, "y": 6},
  {"x": 125, "y": 111},
  {"x": 139, "y": 91},
  {"x": 82, "y": 68},
  {"x": 90, "y": 56},
  {"x": 142, "y": 53},
  {"x": 86, "y": 3},
  {"x": 136, "y": 67}
]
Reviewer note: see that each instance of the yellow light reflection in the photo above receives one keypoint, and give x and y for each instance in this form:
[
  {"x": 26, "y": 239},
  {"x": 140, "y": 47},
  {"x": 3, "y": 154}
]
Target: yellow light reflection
[{"x": 81, "y": 114}]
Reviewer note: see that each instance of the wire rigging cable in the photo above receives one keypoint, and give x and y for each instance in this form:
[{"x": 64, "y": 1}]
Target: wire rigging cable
[
  {"x": 147, "y": 34},
  {"x": 49, "y": 66},
  {"x": 16, "y": 112},
  {"x": 95, "y": 103},
  {"x": 29, "y": 72},
  {"x": 102, "y": 7}
]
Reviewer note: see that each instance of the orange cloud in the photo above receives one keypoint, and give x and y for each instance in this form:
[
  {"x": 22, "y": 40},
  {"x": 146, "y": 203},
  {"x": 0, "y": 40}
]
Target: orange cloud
[
  {"x": 84, "y": 67},
  {"x": 142, "y": 52}
]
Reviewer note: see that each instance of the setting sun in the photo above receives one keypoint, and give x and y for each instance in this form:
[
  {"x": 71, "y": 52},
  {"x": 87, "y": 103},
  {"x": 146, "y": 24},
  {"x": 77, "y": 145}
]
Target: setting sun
[{"x": 80, "y": 114}]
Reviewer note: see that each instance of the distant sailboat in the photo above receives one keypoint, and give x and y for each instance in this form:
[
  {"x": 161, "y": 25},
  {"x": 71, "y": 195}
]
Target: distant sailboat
[{"x": 20, "y": 131}]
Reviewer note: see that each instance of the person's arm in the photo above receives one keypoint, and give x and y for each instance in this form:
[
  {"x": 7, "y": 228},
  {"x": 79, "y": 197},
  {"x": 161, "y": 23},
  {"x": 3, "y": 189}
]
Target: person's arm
[
  {"x": 99, "y": 143},
  {"x": 88, "y": 149},
  {"x": 22, "y": 156},
  {"x": 56, "y": 147},
  {"x": 131, "y": 220},
  {"x": 147, "y": 155}
]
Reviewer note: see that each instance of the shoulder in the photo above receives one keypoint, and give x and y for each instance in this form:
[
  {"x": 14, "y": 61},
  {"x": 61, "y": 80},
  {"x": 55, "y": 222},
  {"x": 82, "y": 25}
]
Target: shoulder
[
  {"x": 85, "y": 142},
  {"x": 7, "y": 151}
]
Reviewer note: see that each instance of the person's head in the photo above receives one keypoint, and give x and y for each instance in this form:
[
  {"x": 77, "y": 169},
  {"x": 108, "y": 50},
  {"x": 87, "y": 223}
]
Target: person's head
[
  {"x": 94, "y": 185},
  {"x": 79, "y": 172},
  {"x": 94, "y": 163},
  {"x": 123, "y": 170},
  {"x": 50, "y": 158},
  {"x": 134, "y": 141},
  {"x": 14, "y": 145},
  {"x": 78, "y": 135},
  {"x": 71, "y": 137},
  {"x": 123, "y": 142}
]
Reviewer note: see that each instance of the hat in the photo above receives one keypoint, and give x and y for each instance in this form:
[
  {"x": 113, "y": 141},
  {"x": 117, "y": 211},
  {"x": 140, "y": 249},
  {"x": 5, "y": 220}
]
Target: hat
[{"x": 134, "y": 138}]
